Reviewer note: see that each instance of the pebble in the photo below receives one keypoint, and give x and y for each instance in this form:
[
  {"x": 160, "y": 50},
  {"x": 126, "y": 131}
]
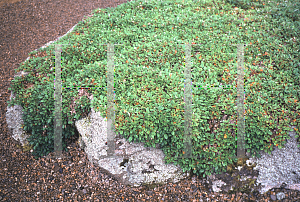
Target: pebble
[
  {"x": 273, "y": 197},
  {"x": 280, "y": 195}
]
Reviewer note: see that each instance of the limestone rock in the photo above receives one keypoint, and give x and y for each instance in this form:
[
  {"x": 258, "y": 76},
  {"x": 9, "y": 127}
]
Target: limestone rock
[
  {"x": 14, "y": 119},
  {"x": 281, "y": 168},
  {"x": 132, "y": 162}
]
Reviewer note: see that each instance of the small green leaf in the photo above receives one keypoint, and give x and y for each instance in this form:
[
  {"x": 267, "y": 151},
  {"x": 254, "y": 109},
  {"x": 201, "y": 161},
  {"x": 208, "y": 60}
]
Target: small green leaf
[{"x": 166, "y": 136}]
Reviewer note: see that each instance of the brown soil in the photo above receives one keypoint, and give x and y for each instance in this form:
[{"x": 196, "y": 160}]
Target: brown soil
[{"x": 8, "y": 1}]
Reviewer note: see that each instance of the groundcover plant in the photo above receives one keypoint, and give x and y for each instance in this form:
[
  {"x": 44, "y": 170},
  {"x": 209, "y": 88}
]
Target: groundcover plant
[{"x": 149, "y": 77}]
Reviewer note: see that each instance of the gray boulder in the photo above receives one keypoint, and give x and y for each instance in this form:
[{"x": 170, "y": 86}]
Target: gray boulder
[
  {"x": 14, "y": 119},
  {"x": 281, "y": 168},
  {"x": 132, "y": 163}
]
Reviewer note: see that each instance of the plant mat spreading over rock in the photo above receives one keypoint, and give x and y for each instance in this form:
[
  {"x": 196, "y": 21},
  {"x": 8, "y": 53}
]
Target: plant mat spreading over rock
[{"x": 23, "y": 178}]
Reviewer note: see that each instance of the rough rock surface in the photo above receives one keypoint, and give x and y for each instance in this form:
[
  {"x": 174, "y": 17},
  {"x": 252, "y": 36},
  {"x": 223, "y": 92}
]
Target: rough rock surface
[
  {"x": 281, "y": 168},
  {"x": 14, "y": 119},
  {"x": 133, "y": 162}
]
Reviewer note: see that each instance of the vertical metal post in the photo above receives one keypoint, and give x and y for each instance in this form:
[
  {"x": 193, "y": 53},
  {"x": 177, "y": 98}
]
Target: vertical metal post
[
  {"x": 58, "y": 104},
  {"x": 110, "y": 101},
  {"x": 188, "y": 103},
  {"x": 240, "y": 103}
]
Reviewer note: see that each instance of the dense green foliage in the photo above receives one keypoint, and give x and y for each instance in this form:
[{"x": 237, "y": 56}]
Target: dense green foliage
[{"x": 149, "y": 79}]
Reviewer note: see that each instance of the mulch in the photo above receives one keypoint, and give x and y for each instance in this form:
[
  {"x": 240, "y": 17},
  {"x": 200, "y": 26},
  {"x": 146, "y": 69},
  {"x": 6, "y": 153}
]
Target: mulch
[{"x": 26, "y": 26}]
